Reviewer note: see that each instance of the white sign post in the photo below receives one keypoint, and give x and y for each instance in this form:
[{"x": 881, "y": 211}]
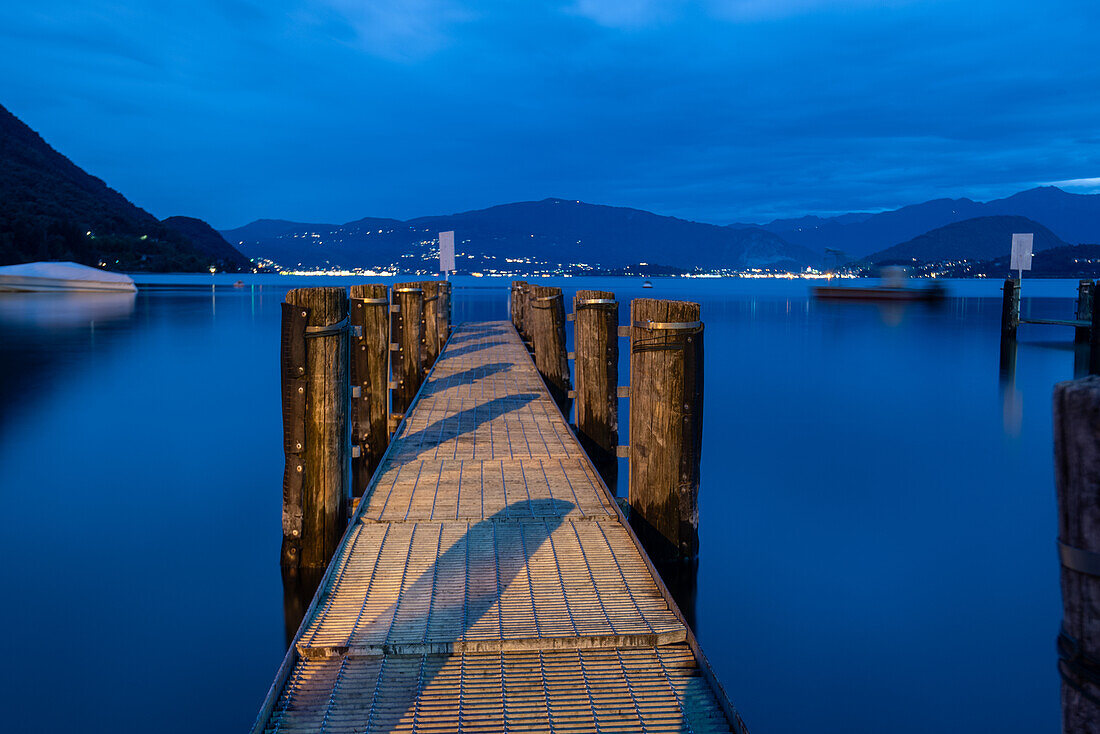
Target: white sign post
[
  {"x": 446, "y": 252},
  {"x": 1021, "y": 253}
]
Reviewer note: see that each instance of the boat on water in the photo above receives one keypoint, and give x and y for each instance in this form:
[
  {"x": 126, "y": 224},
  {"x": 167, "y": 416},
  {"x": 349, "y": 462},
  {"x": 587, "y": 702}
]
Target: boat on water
[
  {"x": 62, "y": 277},
  {"x": 647, "y": 284},
  {"x": 934, "y": 292},
  {"x": 893, "y": 286}
]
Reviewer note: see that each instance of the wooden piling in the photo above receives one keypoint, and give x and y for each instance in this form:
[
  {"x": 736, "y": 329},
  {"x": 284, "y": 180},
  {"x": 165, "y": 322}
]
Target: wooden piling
[
  {"x": 666, "y": 414},
  {"x": 516, "y": 304},
  {"x": 546, "y": 319},
  {"x": 1077, "y": 478},
  {"x": 405, "y": 346},
  {"x": 1010, "y": 309},
  {"x": 1081, "y": 334},
  {"x": 369, "y": 310},
  {"x": 430, "y": 335},
  {"x": 596, "y": 372},
  {"x": 315, "y": 419},
  {"x": 445, "y": 315},
  {"x": 1094, "y": 336},
  {"x": 525, "y": 315}
]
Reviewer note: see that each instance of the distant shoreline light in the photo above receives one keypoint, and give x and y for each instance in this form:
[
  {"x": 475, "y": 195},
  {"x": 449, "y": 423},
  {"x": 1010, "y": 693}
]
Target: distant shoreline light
[{"x": 741, "y": 274}]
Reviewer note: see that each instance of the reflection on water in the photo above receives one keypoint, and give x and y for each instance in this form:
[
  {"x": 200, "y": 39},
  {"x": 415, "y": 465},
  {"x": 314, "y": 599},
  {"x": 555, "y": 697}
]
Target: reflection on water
[
  {"x": 63, "y": 310},
  {"x": 682, "y": 580},
  {"x": 299, "y": 586},
  {"x": 1012, "y": 401},
  {"x": 876, "y": 506}
]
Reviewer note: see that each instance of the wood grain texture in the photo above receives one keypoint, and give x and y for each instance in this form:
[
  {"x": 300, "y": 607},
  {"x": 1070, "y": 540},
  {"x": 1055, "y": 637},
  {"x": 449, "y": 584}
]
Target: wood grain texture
[
  {"x": 1010, "y": 309},
  {"x": 292, "y": 368},
  {"x": 370, "y": 355},
  {"x": 324, "y": 507},
  {"x": 446, "y": 304},
  {"x": 525, "y": 312},
  {"x": 516, "y": 304},
  {"x": 1081, "y": 334},
  {"x": 666, "y": 413},
  {"x": 405, "y": 326},
  {"x": 1094, "y": 335},
  {"x": 431, "y": 338},
  {"x": 1077, "y": 478},
  {"x": 596, "y": 372},
  {"x": 546, "y": 316}
]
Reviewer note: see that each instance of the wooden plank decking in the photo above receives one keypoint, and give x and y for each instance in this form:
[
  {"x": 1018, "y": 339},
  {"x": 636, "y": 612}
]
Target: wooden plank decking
[{"x": 489, "y": 583}]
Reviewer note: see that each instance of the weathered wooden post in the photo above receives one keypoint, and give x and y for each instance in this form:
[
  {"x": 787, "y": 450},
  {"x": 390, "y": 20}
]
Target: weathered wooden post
[
  {"x": 444, "y": 322},
  {"x": 547, "y": 323},
  {"x": 596, "y": 373},
  {"x": 525, "y": 314},
  {"x": 516, "y": 304},
  {"x": 1010, "y": 309},
  {"x": 1094, "y": 333},
  {"x": 666, "y": 425},
  {"x": 370, "y": 351},
  {"x": 408, "y": 305},
  {"x": 315, "y": 419},
  {"x": 1081, "y": 334},
  {"x": 1077, "y": 477},
  {"x": 431, "y": 344}
]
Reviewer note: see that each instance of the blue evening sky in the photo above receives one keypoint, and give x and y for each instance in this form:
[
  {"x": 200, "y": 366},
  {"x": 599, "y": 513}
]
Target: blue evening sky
[{"x": 717, "y": 110}]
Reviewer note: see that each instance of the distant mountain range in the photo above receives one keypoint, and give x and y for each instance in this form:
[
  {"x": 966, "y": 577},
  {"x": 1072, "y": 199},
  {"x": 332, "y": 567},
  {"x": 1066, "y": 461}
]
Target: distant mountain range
[
  {"x": 50, "y": 209},
  {"x": 553, "y": 232},
  {"x": 559, "y": 233},
  {"x": 1074, "y": 218},
  {"x": 981, "y": 238}
]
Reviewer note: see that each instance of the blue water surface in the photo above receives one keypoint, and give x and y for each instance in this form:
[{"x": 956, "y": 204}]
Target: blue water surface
[{"x": 877, "y": 513}]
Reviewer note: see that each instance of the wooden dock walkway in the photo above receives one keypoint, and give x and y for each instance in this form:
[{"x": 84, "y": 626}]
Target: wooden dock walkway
[{"x": 489, "y": 583}]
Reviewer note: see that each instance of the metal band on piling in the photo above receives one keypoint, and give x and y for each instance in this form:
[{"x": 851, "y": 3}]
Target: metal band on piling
[
  {"x": 597, "y": 302},
  {"x": 408, "y": 290},
  {"x": 547, "y": 300},
  {"x": 312, "y": 332},
  {"x": 669, "y": 325},
  {"x": 1079, "y": 560},
  {"x": 372, "y": 301}
]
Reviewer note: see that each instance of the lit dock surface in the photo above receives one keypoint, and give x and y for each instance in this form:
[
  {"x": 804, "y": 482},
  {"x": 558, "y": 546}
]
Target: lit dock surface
[{"x": 488, "y": 582}]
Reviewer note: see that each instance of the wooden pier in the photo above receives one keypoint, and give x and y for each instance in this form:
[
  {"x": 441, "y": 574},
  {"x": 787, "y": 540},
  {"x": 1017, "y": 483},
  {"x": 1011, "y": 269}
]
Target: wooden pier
[{"x": 488, "y": 581}]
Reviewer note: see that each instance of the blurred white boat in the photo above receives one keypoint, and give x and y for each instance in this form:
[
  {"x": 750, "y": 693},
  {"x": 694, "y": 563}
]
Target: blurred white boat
[
  {"x": 62, "y": 276},
  {"x": 65, "y": 309}
]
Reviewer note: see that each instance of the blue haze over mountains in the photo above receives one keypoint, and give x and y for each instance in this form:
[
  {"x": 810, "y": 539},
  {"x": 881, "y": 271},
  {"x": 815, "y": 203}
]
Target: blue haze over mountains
[
  {"x": 52, "y": 209},
  {"x": 561, "y": 232},
  {"x": 1074, "y": 218}
]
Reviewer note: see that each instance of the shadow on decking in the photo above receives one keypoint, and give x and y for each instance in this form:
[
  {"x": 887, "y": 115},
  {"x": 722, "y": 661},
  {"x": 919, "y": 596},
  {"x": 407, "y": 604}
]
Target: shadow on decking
[
  {"x": 390, "y": 695},
  {"x": 479, "y": 334},
  {"x": 452, "y": 352},
  {"x": 466, "y": 377},
  {"x": 461, "y": 423}
]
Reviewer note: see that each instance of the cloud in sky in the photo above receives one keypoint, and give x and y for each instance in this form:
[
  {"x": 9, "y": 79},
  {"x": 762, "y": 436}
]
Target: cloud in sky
[
  {"x": 330, "y": 110},
  {"x": 627, "y": 13},
  {"x": 1080, "y": 185}
]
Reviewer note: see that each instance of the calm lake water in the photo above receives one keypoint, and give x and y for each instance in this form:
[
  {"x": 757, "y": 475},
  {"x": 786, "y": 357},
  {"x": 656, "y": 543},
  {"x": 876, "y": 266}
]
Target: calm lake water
[{"x": 877, "y": 514}]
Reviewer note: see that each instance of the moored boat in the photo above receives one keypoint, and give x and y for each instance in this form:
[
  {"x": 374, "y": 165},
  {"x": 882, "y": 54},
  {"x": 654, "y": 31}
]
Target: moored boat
[{"x": 62, "y": 277}]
